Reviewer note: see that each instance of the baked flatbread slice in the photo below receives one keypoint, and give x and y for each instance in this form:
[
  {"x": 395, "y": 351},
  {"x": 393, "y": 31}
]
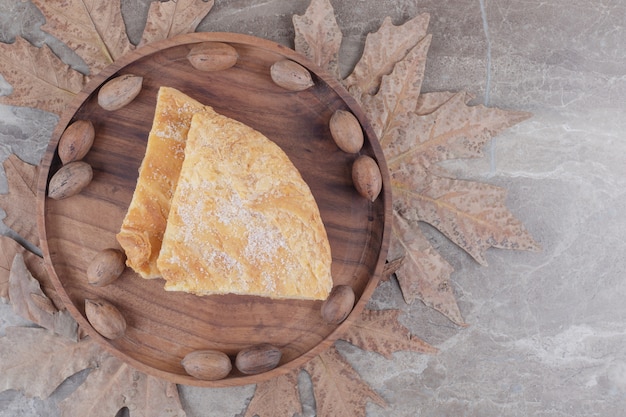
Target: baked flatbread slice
[
  {"x": 242, "y": 219},
  {"x": 143, "y": 227}
]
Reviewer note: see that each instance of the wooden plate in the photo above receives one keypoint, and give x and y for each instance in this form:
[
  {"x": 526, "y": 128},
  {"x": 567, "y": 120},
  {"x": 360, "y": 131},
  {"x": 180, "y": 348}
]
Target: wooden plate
[{"x": 164, "y": 326}]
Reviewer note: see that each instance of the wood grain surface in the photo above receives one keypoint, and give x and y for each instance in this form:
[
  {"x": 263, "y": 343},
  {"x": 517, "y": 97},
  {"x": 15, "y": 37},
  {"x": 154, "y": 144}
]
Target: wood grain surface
[{"x": 164, "y": 326}]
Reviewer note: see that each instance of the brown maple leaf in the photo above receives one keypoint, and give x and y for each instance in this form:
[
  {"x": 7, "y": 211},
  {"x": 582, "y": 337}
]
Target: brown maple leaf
[
  {"x": 422, "y": 260},
  {"x": 377, "y": 61},
  {"x": 417, "y": 132},
  {"x": 380, "y": 331},
  {"x": 30, "y": 302},
  {"x": 20, "y": 203},
  {"x": 339, "y": 390},
  {"x": 20, "y": 225},
  {"x": 94, "y": 29},
  {"x": 391, "y": 109},
  {"x": 317, "y": 35},
  {"x": 114, "y": 385},
  {"x": 171, "y": 18},
  {"x": 35, "y": 361},
  {"x": 8, "y": 249},
  {"x": 473, "y": 215},
  {"x": 276, "y": 397},
  {"x": 442, "y": 127},
  {"x": 392, "y": 266},
  {"x": 38, "y": 77}
]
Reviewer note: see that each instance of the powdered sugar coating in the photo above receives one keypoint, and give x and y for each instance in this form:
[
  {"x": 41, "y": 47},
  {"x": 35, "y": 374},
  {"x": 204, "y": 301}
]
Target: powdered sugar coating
[{"x": 243, "y": 216}]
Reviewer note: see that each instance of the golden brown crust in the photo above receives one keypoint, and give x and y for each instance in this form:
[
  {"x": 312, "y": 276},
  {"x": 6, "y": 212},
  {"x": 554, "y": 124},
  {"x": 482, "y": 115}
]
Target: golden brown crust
[
  {"x": 242, "y": 219},
  {"x": 143, "y": 227}
]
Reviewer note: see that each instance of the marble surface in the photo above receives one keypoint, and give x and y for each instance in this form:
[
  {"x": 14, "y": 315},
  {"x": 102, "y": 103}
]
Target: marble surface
[{"x": 547, "y": 334}]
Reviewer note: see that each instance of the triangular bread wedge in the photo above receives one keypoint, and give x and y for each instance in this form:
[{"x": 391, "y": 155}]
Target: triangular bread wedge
[
  {"x": 143, "y": 227},
  {"x": 242, "y": 219}
]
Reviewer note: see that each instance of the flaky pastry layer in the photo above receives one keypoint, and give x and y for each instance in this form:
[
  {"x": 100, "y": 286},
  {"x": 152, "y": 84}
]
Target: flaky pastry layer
[
  {"x": 142, "y": 229},
  {"x": 242, "y": 219}
]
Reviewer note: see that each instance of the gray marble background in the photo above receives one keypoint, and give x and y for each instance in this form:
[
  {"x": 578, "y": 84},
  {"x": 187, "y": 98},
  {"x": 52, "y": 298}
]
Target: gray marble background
[{"x": 548, "y": 329}]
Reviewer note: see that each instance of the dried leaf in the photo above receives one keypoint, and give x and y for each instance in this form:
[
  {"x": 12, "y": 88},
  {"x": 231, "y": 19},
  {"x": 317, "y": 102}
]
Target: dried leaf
[
  {"x": 425, "y": 274},
  {"x": 392, "y": 266},
  {"x": 22, "y": 286},
  {"x": 43, "y": 303},
  {"x": 4, "y": 287},
  {"x": 35, "y": 361},
  {"x": 416, "y": 133},
  {"x": 471, "y": 214},
  {"x": 277, "y": 397},
  {"x": 383, "y": 49},
  {"x": 115, "y": 385},
  {"x": 8, "y": 249},
  {"x": 38, "y": 77},
  {"x": 429, "y": 102},
  {"x": 94, "y": 29},
  {"x": 339, "y": 390},
  {"x": 392, "y": 110},
  {"x": 174, "y": 17},
  {"x": 318, "y": 36},
  {"x": 35, "y": 264},
  {"x": 20, "y": 204},
  {"x": 451, "y": 131},
  {"x": 380, "y": 331},
  {"x": 20, "y": 207}
]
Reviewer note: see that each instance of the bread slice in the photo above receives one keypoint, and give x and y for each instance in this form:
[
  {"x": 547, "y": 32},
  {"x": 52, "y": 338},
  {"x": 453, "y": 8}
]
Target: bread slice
[
  {"x": 242, "y": 219},
  {"x": 143, "y": 227}
]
